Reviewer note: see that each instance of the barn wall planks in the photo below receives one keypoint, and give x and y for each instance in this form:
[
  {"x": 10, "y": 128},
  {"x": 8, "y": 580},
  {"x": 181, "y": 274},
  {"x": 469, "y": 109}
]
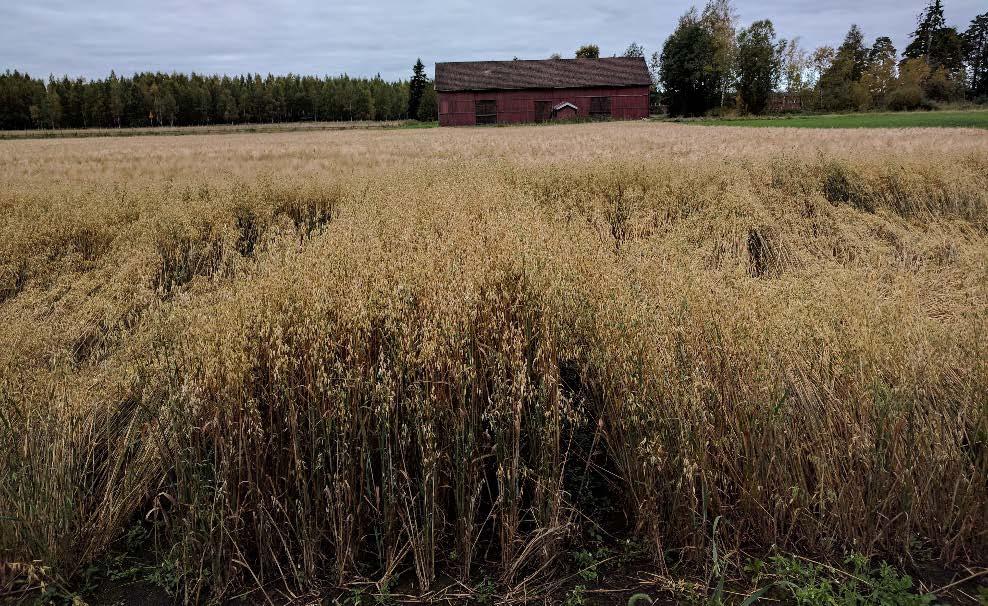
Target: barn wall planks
[{"x": 457, "y": 108}]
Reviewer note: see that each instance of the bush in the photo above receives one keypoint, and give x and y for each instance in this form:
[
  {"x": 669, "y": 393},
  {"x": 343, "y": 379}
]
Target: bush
[
  {"x": 941, "y": 86},
  {"x": 860, "y": 96},
  {"x": 906, "y": 98}
]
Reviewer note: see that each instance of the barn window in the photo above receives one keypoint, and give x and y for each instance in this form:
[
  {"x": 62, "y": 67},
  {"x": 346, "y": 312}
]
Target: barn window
[
  {"x": 486, "y": 111},
  {"x": 600, "y": 107}
]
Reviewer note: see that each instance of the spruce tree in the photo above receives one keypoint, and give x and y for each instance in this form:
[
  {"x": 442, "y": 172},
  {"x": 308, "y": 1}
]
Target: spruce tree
[
  {"x": 976, "y": 56},
  {"x": 839, "y": 85},
  {"x": 416, "y": 87},
  {"x": 116, "y": 93},
  {"x": 931, "y": 21}
]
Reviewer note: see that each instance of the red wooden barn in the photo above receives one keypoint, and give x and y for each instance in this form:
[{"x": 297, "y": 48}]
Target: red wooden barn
[{"x": 500, "y": 92}]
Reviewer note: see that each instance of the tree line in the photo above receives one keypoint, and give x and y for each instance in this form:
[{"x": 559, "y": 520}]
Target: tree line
[
  {"x": 158, "y": 99},
  {"x": 708, "y": 64}
]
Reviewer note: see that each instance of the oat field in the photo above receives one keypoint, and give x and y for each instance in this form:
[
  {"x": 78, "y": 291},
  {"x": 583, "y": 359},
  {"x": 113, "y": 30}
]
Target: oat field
[{"x": 426, "y": 358}]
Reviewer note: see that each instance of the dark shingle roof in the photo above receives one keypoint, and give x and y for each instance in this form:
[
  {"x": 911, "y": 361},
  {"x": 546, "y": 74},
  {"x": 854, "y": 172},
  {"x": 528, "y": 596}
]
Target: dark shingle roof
[{"x": 547, "y": 73}]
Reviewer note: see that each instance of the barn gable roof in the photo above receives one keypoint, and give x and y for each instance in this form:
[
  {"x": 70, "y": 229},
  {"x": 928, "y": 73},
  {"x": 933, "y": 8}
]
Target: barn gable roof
[{"x": 546, "y": 73}]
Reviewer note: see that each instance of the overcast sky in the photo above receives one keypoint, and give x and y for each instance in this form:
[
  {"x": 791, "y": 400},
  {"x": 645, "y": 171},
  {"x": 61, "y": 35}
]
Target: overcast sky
[{"x": 90, "y": 37}]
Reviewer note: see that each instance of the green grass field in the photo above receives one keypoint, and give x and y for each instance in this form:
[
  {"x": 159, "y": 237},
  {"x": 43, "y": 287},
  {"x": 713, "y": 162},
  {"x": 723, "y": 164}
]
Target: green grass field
[{"x": 930, "y": 119}]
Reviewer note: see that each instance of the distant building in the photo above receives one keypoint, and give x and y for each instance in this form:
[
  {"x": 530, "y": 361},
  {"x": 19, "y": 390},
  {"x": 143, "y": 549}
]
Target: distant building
[
  {"x": 502, "y": 92},
  {"x": 784, "y": 102}
]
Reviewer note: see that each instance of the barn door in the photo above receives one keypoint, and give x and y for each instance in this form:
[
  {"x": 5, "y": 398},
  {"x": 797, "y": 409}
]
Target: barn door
[
  {"x": 486, "y": 111},
  {"x": 543, "y": 111}
]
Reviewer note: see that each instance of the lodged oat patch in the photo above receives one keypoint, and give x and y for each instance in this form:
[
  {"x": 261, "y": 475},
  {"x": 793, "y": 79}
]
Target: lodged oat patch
[{"x": 323, "y": 357}]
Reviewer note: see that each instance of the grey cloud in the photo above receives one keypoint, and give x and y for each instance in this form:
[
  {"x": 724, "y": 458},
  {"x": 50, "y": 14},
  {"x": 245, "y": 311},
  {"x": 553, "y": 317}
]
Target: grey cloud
[{"x": 331, "y": 37}]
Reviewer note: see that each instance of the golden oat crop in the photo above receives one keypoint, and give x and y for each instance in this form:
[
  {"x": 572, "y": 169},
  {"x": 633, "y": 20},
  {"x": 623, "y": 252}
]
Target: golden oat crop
[{"x": 321, "y": 357}]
